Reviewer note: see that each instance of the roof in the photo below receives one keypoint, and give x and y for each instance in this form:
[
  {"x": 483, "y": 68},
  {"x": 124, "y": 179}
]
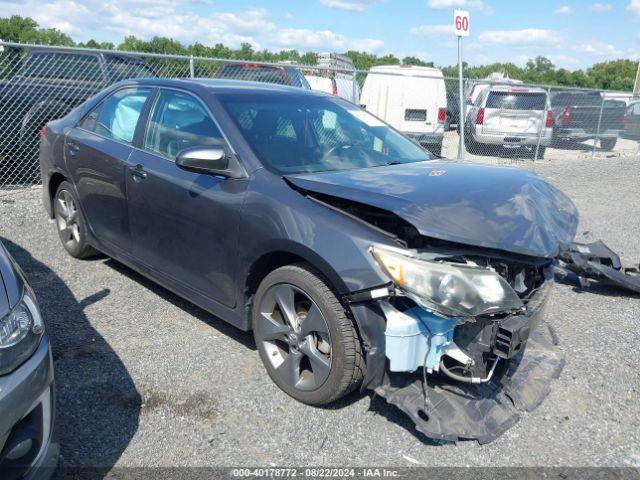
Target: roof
[
  {"x": 517, "y": 89},
  {"x": 221, "y": 85},
  {"x": 409, "y": 70}
]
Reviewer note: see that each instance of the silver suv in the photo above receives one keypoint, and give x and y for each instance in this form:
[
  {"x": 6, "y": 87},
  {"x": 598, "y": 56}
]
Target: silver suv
[{"x": 512, "y": 117}]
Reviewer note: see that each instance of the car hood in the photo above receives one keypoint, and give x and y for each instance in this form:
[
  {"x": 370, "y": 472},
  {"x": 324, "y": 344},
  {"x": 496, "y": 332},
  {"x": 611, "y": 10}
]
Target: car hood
[{"x": 500, "y": 208}]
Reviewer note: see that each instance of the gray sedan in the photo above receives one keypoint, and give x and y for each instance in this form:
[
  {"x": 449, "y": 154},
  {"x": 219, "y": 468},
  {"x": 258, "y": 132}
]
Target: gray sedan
[{"x": 26, "y": 380}]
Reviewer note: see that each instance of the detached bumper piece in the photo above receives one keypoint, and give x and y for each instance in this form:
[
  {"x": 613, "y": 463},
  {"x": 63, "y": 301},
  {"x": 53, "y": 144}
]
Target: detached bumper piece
[
  {"x": 454, "y": 411},
  {"x": 584, "y": 263}
]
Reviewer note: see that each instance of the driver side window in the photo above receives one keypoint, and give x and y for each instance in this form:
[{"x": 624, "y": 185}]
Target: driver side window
[{"x": 180, "y": 121}]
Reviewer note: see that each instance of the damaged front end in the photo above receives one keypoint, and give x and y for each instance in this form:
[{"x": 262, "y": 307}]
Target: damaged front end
[
  {"x": 456, "y": 339},
  {"x": 464, "y": 351}
]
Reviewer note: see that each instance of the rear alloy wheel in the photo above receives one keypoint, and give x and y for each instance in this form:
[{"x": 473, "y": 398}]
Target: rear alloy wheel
[
  {"x": 309, "y": 347},
  {"x": 70, "y": 223}
]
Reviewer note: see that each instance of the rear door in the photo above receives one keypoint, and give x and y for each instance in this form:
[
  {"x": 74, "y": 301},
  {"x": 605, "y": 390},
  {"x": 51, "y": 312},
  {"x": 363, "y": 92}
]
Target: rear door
[
  {"x": 96, "y": 152},
  {"x": 512, "y": 113},
  {"x": 184, "y": 224}
]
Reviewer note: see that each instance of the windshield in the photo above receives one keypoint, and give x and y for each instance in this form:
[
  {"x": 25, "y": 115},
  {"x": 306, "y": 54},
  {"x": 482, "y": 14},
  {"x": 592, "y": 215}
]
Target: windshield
[
  {"x": 517, "y": 101},
  {"x": 308, "y": 133}
]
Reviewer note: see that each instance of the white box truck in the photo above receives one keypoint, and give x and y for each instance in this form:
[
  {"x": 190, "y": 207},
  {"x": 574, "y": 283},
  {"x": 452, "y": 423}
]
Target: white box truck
[{"x": 411, "y": 99}]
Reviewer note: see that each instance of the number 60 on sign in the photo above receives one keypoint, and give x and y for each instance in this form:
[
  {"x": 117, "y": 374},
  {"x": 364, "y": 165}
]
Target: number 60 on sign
[{"x": 461, "y": 23}]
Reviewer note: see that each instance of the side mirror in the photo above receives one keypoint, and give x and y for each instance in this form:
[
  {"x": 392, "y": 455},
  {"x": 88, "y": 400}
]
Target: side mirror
[{"x": 212, "y": 160}]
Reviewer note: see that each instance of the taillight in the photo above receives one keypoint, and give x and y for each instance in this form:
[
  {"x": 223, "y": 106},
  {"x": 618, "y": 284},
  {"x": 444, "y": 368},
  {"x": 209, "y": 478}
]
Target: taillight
[
  {"x": 442, "y": 115},
  {"x": 42, "y": 132},
  {"x": 566, "y": 116},
  {"x": 335, "y": 91},
  {"x": 549, "y": 122},
  {"x": 480, "y": 116}
]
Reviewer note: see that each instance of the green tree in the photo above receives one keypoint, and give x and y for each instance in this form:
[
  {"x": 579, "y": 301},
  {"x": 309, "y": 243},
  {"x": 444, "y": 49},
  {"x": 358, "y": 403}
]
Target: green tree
[{"x": 416, "y": 61}]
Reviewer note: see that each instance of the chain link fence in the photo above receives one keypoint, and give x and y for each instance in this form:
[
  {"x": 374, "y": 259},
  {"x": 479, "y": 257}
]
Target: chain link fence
[{"x": 503, "y": 121}]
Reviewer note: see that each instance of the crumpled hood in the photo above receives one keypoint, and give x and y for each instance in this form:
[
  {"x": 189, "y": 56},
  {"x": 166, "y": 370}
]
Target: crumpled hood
[{"x": 500, "y": 208}]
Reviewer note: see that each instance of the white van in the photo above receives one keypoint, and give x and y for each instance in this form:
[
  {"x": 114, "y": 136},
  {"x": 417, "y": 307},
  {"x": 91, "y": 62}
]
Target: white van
[
  {"x": 321, "y": 84},
  {"x": 411, "y": 99},
  {"x": 340, "y": 84}
]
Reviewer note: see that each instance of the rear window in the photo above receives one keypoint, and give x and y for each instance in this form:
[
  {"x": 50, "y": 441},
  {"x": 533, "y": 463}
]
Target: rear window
[
  {"x": 123, "y": 68},
  {"x": 62, "y": 66},
  {"x": 576, "y": 99},
  {"x": 412, "y": 115},
  {"x": 517, "y": 101}
]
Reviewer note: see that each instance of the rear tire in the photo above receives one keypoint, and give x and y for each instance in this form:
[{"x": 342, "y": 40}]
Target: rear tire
[
  {"x": 70, "y": 223},
  {"x": 308, "y": 345}
]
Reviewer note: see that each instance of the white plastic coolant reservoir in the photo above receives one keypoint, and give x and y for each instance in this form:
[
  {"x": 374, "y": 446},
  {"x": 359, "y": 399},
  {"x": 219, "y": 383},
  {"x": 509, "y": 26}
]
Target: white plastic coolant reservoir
[{"x": 407, "y": 340}]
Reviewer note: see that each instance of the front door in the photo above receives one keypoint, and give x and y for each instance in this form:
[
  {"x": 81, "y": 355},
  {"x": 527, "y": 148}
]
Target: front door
[
  {"x": 96, "y": 152},
  {"x": 184, "y": 225}
]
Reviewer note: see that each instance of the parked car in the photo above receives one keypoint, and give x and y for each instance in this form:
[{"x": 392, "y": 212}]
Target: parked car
[
  {"x": 453, "y": 110},
  {"x": 510, "y": 117},
  {"x": 411, "y": 99},
  {"x": 340, "y": 85},
  {"x": 632, "y": 126},
  {"x": 48, "y": 85},
  {"x": 255, "y": 72},
  {"x": 350, "y": 254},
  {"x": 583, "y": 115},
  {"x": 27, "y": 407}
]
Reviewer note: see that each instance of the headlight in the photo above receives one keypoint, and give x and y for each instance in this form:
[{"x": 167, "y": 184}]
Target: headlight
[
  {"x": 447, "y": 288},
  {"x": 20, "y": 333}
]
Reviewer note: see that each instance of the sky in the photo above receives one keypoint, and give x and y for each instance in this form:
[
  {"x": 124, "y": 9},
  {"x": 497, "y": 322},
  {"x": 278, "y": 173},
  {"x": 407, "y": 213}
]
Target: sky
[{"x": 573, "y": 34}]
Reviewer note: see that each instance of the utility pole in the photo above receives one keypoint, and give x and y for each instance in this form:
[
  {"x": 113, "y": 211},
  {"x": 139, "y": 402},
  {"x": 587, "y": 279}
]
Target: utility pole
[{"x": 636, "y": 88}]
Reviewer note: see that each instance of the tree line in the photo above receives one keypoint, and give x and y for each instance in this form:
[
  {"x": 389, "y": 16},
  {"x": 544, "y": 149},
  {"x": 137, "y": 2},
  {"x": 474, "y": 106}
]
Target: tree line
[{"x": 613, "y": 75}]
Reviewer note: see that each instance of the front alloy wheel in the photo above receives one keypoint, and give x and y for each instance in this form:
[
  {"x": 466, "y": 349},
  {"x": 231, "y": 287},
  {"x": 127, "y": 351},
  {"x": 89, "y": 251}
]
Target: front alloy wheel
[
  {"x": 295, "y": 336},
  {"x": 308, "y": 345}
]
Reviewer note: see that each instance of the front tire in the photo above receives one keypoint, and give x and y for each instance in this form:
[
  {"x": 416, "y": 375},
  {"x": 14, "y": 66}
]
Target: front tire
[
  {"x": 70, "y": 223},
  {"x": 308, "y": 345}
]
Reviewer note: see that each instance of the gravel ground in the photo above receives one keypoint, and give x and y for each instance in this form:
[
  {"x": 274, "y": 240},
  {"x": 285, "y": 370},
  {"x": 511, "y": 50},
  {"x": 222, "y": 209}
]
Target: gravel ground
[{"x": 145, "y": 379}]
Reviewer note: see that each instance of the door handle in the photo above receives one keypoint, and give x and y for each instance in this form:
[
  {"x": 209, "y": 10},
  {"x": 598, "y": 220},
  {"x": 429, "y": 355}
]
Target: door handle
[{"x": 138, "y": 173}]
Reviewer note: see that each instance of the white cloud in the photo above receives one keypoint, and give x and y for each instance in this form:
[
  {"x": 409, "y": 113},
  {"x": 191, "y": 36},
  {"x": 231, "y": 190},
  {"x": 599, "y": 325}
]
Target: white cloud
[
  {"x": 525, "y": 37},
  {"x": 114, "y": 19},
  {"x": 352, "y": 5},
  {"x": 446, "y": 4},
  {"x": 634, "y": 7},
  {"x": 470, "y": 4},
  {"x": 599, "y": 49},
  {"x": 601, "y": 7},
  {"x": 563, "y": 10},
  {"x": 431, "y": 30}
]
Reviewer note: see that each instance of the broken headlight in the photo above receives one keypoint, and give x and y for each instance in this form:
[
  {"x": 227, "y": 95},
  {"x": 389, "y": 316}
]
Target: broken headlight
[{"x": 447, "y": 288}]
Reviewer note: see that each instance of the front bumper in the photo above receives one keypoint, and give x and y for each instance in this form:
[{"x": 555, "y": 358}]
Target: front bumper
[
  {"x": 446, "y": 410},
  {"x": 27, "y": 412}
]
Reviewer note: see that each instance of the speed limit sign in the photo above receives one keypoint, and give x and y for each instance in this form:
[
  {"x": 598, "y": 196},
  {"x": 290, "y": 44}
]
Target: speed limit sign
[{"x": 461, "y": 23}]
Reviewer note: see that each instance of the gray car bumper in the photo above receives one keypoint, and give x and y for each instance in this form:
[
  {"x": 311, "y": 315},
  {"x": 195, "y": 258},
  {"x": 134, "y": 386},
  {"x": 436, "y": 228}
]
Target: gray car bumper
[{"x": 27, "y": 412}]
